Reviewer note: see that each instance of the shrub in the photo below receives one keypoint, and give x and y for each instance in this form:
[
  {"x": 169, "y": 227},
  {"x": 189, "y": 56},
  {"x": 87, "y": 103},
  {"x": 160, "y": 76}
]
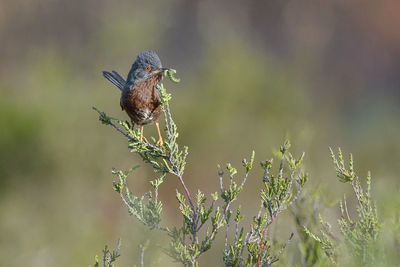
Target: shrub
[{"x": 187, "y": 243}]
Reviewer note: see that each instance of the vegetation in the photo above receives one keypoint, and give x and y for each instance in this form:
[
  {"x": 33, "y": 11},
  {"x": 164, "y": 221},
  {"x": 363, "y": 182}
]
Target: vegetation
[
  {"x": 359, "y": 236},
  {"x": 203, "y": 218}
]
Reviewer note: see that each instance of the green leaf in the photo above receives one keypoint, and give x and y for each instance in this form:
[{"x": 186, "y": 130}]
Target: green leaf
[{"x": 231, "y": 170}]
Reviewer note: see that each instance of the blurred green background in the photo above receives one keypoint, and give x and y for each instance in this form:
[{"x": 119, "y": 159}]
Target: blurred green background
[{"x": 253, "y": 73}]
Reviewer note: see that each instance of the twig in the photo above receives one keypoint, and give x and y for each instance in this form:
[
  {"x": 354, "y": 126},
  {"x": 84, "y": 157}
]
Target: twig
[
  {"x": 142, "y": 249},
  {"x": 187, "y": 193},
  {"x": 345, "y": 208},
  {"x": 356, "y": 185},
  {"x": 263, "y": 237}
]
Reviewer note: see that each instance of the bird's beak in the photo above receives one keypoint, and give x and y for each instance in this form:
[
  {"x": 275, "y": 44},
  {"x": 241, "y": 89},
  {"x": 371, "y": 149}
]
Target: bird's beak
[{"x": 159, "y": 70}]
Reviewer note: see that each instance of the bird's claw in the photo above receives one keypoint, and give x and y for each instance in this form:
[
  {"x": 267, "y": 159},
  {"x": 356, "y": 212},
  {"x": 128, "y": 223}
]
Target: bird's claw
[
  {"x": 143, "y": 139},
  {"x": 160, "y": 142}
]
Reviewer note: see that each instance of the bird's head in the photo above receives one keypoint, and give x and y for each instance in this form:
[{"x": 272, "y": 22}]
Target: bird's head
[{"x": 146, "y": 64}]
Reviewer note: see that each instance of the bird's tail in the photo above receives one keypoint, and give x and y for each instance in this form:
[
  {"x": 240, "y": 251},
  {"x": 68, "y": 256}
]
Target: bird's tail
[{"x": 115, "y": 79}]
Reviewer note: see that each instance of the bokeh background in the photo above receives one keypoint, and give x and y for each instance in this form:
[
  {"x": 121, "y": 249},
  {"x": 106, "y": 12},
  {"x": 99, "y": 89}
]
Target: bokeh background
[{"x": 253, "y": 73}]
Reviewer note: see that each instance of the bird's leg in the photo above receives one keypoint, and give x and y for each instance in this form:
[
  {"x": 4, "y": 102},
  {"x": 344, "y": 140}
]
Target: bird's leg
[
  {"x": 160, "y": 141},
  {"x": 142, "y": 138}
]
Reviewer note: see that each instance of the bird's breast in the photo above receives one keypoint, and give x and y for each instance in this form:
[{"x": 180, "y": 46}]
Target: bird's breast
[{"x": 142, "y": 103}]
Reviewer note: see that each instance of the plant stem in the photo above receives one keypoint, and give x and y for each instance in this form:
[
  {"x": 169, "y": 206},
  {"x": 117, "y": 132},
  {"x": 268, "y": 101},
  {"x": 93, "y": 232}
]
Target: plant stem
[
  {"x": 263, "y": 237},
  {"x": 187, "y": 193}
]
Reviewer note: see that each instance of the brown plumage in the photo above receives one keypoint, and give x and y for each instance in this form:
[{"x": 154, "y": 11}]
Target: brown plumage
[
  {"x": 142, "y": 103},
  {"x": 140, "y": 97}
]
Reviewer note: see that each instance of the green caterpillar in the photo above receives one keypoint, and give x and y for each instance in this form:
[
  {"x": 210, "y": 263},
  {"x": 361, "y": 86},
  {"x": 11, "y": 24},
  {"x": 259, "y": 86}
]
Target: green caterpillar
[{"x": 170, "y": 73}]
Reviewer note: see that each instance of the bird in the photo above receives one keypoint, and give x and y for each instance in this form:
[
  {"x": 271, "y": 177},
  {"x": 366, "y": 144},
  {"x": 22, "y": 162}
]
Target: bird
[{"x": 140, "y": 97}]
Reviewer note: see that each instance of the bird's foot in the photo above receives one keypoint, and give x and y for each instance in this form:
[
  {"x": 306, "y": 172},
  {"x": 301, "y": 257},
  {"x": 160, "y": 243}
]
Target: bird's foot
[
  {"x": 143, "y": 139},
  {"x": 160, "y": 142}
]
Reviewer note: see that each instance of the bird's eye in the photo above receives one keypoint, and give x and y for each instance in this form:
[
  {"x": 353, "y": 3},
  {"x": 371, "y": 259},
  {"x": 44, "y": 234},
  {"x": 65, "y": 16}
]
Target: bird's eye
[{"x": 147, "y": 68}]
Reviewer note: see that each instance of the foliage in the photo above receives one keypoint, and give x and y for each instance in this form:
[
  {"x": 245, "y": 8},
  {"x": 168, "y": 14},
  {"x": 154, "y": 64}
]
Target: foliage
[
  {"x": 360, "y": 235},
  {"x": 188, "y": 242},
  {"x": 204, "y": 218},
  {"x": 109, "y": 256},
  {"x": 305, "y": 212},
  {"x": 279, "y": 192}
]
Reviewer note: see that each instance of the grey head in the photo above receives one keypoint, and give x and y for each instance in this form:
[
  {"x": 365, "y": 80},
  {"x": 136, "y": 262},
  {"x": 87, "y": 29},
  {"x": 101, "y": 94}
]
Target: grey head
[{"x": 147, "y": 63}]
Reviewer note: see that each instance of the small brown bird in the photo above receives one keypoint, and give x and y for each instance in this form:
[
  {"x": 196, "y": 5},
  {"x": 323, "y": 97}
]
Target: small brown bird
[{"x": 140, "y": 97}]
